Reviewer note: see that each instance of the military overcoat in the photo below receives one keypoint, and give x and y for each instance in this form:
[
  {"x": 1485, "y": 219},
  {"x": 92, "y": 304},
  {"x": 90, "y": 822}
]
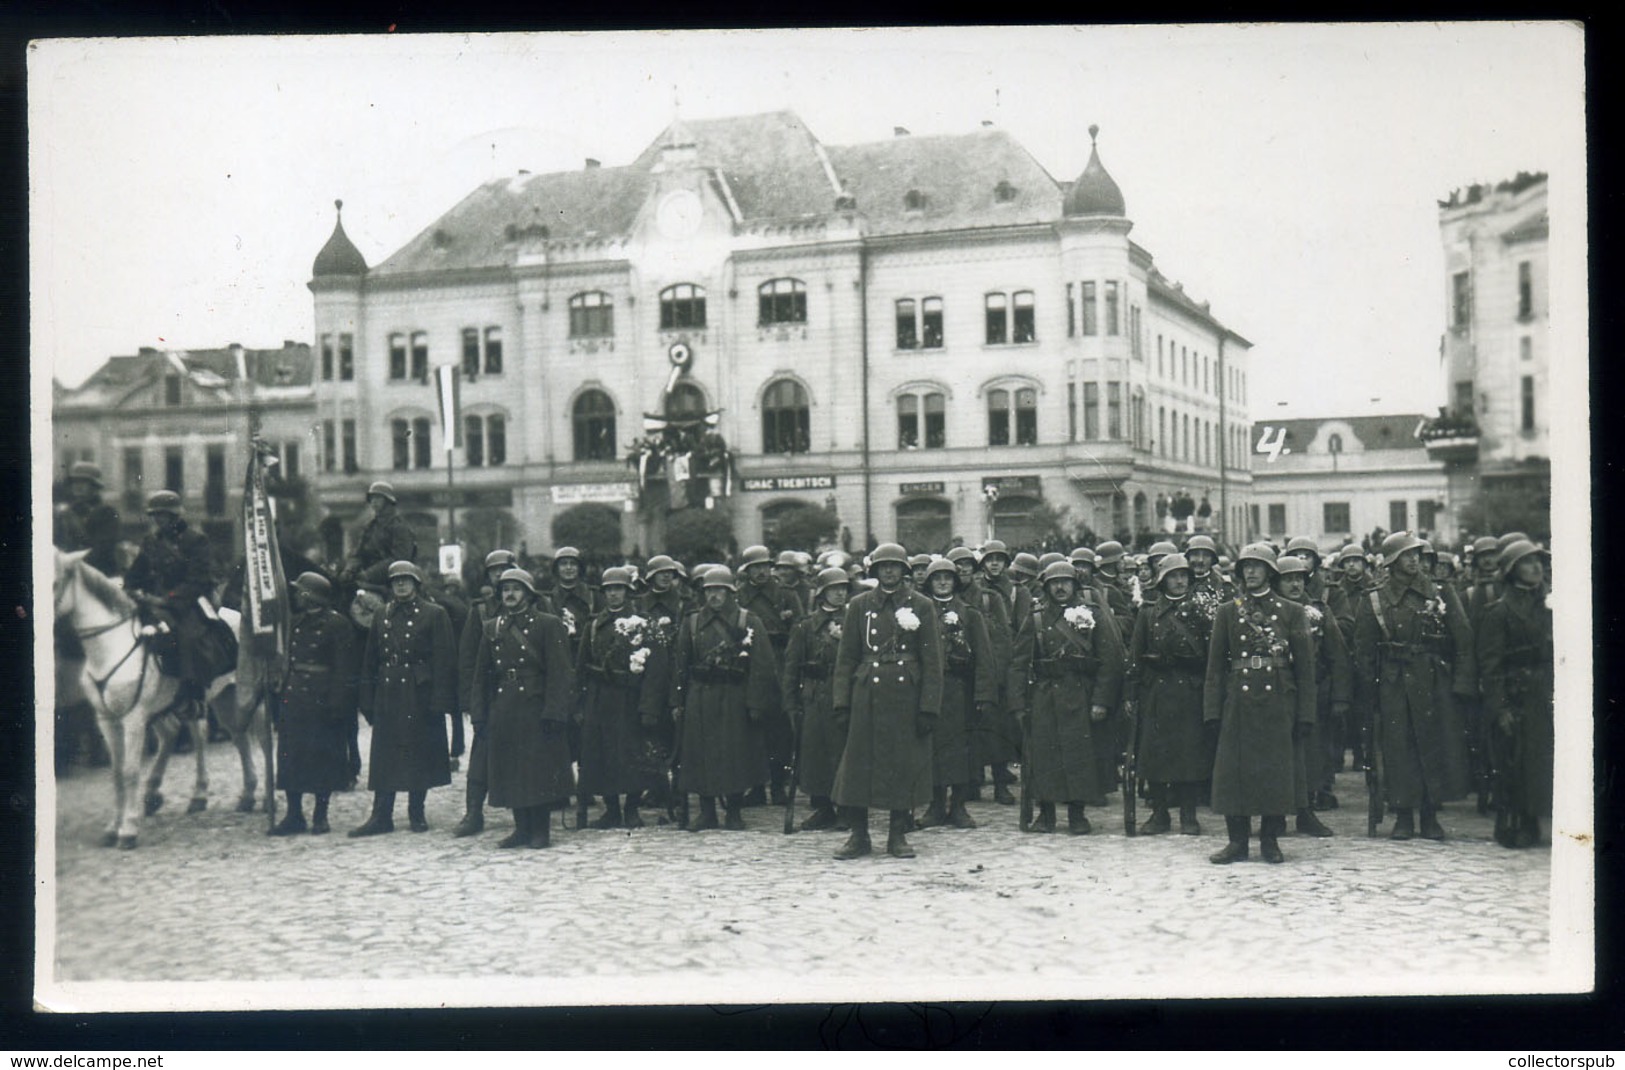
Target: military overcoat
[
  {"x": 807, "y": 679},
  {"x": 318, "y": 703},
  {"x": 725, "y": 677},
  {"x": 408, "y": 686},
  {"x": 524, "y": 693},
  {"x": 1167, "y": 671},
  {"x": 1515, "y": 672},
  {"x": 623, "y": 671}
]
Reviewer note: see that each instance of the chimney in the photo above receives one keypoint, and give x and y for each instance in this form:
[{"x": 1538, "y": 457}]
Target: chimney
[
  {"x": 899, "y": 131},
  {"x": 239, "y": 359},
  {"x": 987, "y": 122},
  {"x": 592, "y": 164},
  {"x": 523, "y": 172}
]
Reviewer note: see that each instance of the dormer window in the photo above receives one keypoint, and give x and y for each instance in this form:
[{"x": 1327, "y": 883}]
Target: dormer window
[
  {"x": 914, "y": 201},
  {"x": 1004, "y": 192}
]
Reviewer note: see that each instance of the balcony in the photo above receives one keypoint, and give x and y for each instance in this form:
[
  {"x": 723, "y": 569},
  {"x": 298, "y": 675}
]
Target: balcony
[
  {"x": 1451, "y": 438},
  {"x": 1098, "y": 466}
]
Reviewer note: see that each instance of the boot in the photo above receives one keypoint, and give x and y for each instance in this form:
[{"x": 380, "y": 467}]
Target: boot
[
  {"x": 1310, "y": 825},
  {"x": 756, "y": 796},
  {"x": 1325, "y": 800},
  {"x": 708, "y": 815},
  {"x": 294, "y": 820},
  {"x": 318, "y": 823},
  {"x": 779, "y": 796},
  {"x": 520, "y": 836},
  {"x": 1236, "y": 849},
  {"x": 1076, "y": 823},
  {"x": 1269, "y": 829},
  {"x": 1002, "y": 777},
  {"x": 1157, "y": 823},
  {"x": 382, "y": 819},
  {"x": 937, "y": 813},
  {"x": 1046, "y": 818},
  {"x": 541, "y": 827},
  {"x": 1404, "y": 829},
  {"x": 1528, "y": 834},
  {"x": 633, "y": 821},
  {"x": 822, "y": 817},
  {"x": 1431, "y": 829},
  {"x": 958, "y": 816},
  {"x": 472, "y": 824},
  {"x": 414, "y": 810},
  {"x": 733, "y": 821},
  {"x": 857, "y": 845},
  {"x": 1188, "y": 825},
  {"x": 611, "y": 817},
  {"x": 896, "y": 845}
]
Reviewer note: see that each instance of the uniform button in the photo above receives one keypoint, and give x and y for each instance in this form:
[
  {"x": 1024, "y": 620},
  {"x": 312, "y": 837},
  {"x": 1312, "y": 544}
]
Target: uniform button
[
  {"x": 1244, "y": 687},
  {"x": 1267, "y": 687}
]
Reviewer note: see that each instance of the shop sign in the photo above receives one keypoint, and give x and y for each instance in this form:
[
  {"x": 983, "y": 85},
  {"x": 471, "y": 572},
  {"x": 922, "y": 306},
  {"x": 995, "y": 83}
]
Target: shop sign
[
  {"x": 817, "y": 482},
  {"x": 1028, "y": 486},
  {"x": 576, "y": 493},
  {"x": 922, "y": 488}
]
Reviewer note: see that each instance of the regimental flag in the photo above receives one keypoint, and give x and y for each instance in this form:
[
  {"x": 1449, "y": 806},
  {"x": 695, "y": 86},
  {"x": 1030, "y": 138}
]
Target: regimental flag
[
  {"x": 266, "y": 612},
  {"x": 448, "y": 384}
]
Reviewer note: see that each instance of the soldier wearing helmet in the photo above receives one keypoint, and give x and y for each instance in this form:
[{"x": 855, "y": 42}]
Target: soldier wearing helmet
[
  {"x": 1316, "y": 765},
  {"x": 787, "y": 571},
  {"x": 1203, "y": 554},
  {"x": 317, "y": 705},
  {"x": 1259, "y": 695},
  {"x": 970, "y": 690},
  {"x": 1479, "y": 591},
  {"x": 85, "y": 522},
  {"x": 484, "y": 608},
  {"x": 171, "y": 580},
  {"x": 1515, "y": 663},
  {"x": 999, "y": 735},
  {"x": 915, "y": 576},
  {"x": 808, "y": 691},
  {"x": 1413, "y": 655},
  {"x": 624, "y": 729},
  {"x": 778, "y": 607},
  {"x": 408, "y": 688},
  {"x": 887, "y": 696},
  {"x": 386, "y": 538},
  {"x": 574, "y": 600},
  {"x": 1113, "y": 581},
  {"x": 1067, "y": 676},
  {"x": 663, "y": 599},
  {"x": 524, "y": 695}
]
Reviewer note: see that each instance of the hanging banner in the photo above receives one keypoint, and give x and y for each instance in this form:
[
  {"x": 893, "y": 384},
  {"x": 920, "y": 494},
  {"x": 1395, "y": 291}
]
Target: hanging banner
[
  {"x": 448, "y": 384},
  {"x": 266, "y": 622}
]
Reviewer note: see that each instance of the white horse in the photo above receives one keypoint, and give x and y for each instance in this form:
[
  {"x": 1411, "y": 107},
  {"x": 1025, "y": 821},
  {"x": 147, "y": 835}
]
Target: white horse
[{"x": 121, "y": 680}]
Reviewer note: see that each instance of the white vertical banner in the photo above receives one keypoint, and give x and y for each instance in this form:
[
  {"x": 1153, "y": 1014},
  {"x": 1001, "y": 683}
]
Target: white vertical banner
[{"x": 448, "y": 384}]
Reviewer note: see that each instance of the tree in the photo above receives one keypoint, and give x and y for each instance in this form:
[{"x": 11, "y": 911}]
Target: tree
[
  {"x": 591, "y": 527},
  {"x": 483, "y": 530},
  {"x": 697, "y": 535},
  {"x": 1521, "y": 502},
  {"x": 806, "y": 527}
]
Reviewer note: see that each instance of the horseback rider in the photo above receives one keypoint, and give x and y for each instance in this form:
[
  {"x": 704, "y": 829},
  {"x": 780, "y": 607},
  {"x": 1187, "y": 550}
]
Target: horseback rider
[
  {"x": 170, "y": 581},
  {"x": 85, "y": 522},
  {"x": 387, "y": 538}
]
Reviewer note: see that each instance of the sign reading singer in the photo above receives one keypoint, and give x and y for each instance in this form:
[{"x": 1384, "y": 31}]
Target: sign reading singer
[{"x": 819, "y": 482}]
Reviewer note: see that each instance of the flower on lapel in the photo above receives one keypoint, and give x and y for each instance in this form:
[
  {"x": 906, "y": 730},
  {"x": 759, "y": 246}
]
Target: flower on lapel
[
  {"x": 569, "y": 621},
  {"x": 835, "y": 630},
  {"x": 950, "y": 618},
  {"x": 1079, "y": 617},
  {"x": 639, "y": 656},
  {"x": 907, "y": 620},
  {"x": 750, "y": 635}
]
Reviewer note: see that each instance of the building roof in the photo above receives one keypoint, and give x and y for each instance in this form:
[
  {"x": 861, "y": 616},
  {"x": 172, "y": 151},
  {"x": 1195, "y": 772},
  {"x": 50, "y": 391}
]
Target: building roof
[
  {"x": 1392, "y": 432},
  {"x": 1533, "y": 228},
  {"x": 211, "y": 371},
  {"x": 1094, "y": 192},
  {"x": 774, "y": 167},
  {"x": 339, "y": 256}
]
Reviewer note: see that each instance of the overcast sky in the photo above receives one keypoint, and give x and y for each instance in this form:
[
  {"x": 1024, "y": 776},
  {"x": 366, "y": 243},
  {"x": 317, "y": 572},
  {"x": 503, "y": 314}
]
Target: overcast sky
[{"x": 180, "y": 189}]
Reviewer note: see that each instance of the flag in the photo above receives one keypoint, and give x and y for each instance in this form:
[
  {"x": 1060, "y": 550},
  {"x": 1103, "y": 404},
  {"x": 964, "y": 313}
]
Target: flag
[
  {"x": 266, "y": 614},
  {"x": 447, "y": 380}
]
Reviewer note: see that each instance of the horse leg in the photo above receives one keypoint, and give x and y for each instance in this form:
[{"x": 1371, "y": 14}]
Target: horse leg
[
  {"x": 113, "y": 735},
  {"x": 133, "y": 734},
  {"x": 168, "y": 728},
  {"x": 200, "y": 740}
]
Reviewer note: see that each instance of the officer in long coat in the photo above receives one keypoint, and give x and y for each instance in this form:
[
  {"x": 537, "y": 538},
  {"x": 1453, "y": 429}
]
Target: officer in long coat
[
  {"x": 167, "y": 578},
  {"x": 973, "y": 678},
  {"x": 1480, "y": 590},
  {"x": 807, "y": 691},
  {"x": 1260, "y": 696},
  {"x": 664, "y": 596},
  {"x": 575, "y": 602},
  {"x": 524, "y": 692},
  {"x": 778, "y": 607},
  {"x": 1167, "y": 668},
  {"x": 317, "y": 705},
  {"x": 408, "y": 689},
  {"x": 723, "y": 682},
  {"x": 1515, "y": 674},
  {"x": 387, "y": 538},
  {"x": 482, "y": 609},
  {"x": 1312, "y": 771},
  {"x": 1069, "y": 663},
  {"x": 622, "y": 670},
  {"x": 1203, "y": 554},
  {"x": 1002, "y": 734},
  {"x": 887, "y": 696},
  {"x": 1413, "y": 656}
]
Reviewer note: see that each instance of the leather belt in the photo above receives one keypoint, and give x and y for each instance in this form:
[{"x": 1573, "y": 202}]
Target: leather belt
[
  {"x": 308, "y": 666},
  {"x": 1259, "y": 661}
]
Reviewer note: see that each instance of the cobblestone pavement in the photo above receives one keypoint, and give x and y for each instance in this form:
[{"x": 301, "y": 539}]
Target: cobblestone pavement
[{"x": 1055, "y": 915}]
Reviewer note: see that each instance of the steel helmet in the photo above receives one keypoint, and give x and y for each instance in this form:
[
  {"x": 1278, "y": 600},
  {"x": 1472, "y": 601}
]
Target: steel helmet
[
  {"x": 1287, "y": 565},
  {"x": 1398, "y": 543},
  {"x": 889, "y": 551},
  {"x": 1450, "y": 560},
  {"x": 754, "y": 555},
  {"x": 164, "y": 501},
  {"x": 1515, "y": 552},
  {"x": 1025, "y": 564},
  {"x": 941, "y": 565},
  {"x": 1201, "y": 542},
  {"x": 1485, "y": 544},
  {"x": 566, "y": 553},
  {"x": 314, "y": 583},
  {"x": 1059, "y": 570},
  {"x": 1046, "y": 560},
  {"x": 519, "y": 576},
  {"x": 1109, "y": 551},
  {"x": 1511, "y": 537},
  {"x": 919, "y": 560},
  {"x": 1304, "y": 542},
  {"x": 1258, "y": 551},
  {"x": 719, "y": 576},
  {"x": 383, "y": 490},
  {"x": 619, "y": 576},
  {"x": 1169, "y": 564},
  {"x": 1159, "y": 550},
  {"x": 1083, "y": 554},
  {"x": 1350, "y": 552},
  {"x": 406, "y": 568},
  {"x": 995, "y": 546},
  {"x": 832, "y": 576},
  {"x": 501, "y": 557},
  {"x": 787, "y": 559},
  {"x": 1427, "y": 549},
  {"x": 962, "y": 553},
  {"x": 85, "y": 470},
  {"x": 659, "y": 563}
]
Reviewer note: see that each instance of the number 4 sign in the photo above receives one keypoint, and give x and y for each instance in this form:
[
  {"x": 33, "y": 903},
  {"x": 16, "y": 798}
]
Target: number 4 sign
[{"x": 1273, "y": 447}]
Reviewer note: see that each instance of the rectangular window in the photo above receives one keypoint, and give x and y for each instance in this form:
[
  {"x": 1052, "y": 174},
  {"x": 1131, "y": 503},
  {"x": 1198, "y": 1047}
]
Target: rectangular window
[
  {"x": 1136, "y": 337},
  {"x": 400, "y": 437},
  {"x": 327, "y": 357},
  {"x": 330, "y": 453},
  {"x": 782, "y": 301},
  {"x": 290, "y": 460},
  {"x": 1461, "y": 300},
  {"x": 907, "y": 337},
  {"x": 175, "y": 470},
  {"x": 1071, "y": 313},
  {"x": 1027, "y": 417},
  {"x": 346, "y": 357},
  {"x": 1527, "y": 392},
  {"x": 134, "y": 496},
  {"x": 1184, "y": 366},
  {"x": 172, "y": 389},
  {"x": 397, "y": 356},
  {"x": 1162, "y": 430},
  {"x": 1277, "y": 519},
  {"x": 1252, "y": 517},
  {"x": 1090, "y": 322},
  {"x": 351, "y": 464},
  {"x": 998, "y": 417},
  {"x": 1334, "y": 518},
  {"x": 1427, "y": 513},
  {"x": 496, "y": 439},
  {"x": 420, "y": 443},
  {"x": 214, "y": 481},
  {"x": 1159, "y": 355},
  {"x": 1111, "y": 308},
  {"x": 1205, "y": 388},
  {"x": 931, "y": 322},
  {"x": 1091, "y": 412},
  {"x": 1398, "y": 515},
  {"x": 1026, "y": 328},
  {"x": 1464, "y": 397},
  {"x": 471, "y": 351},
  {"x": 420, "y": 355},
  {"x": 997, "y": 316},
  {"x": 1071, "y": 412},
  {"x": 908, "y": 422},
  {"x": 936, "y": 422},
  {"x": 1187, "y": 422},
  {"x": 592, "y": 315},
  {"x": 1114, "y": 411},
  {"x": 1526, "y": 291},
  {"x": 474, "y": 440},
  {"x": 682, "y": 307},
  {"x": 493, "y": 351}
]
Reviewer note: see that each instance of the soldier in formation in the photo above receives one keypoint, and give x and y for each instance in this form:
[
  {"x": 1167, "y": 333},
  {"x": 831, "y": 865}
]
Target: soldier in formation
[
  {"x": 316, "y": 706},
  {"x": 808, "y": 695}
]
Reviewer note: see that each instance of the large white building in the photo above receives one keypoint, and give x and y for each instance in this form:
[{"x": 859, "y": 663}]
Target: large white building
[
  {"x": 888, "y": 330},
  {"x": 1495, "y": 433}
]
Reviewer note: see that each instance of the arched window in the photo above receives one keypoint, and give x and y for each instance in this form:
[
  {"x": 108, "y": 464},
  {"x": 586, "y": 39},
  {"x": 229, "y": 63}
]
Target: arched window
[
  {"x": 409, "y": 440},
  {"x": 485, "y": 439},
  {"x": 685, "y": 402},
  {"x": 914, "y": 201},
  {"x": 592, "y": 315},
  {"x": 786, "y": 420},
  {"x": 1005, "y": 426},
  {"x": 593, "y": 419},
  {"x": 1334, "y": 444},
  {"x": 1142, "y": 514},
  {"x": 682, "y": 306},
  {"x": 911, "y": 434},
  {"x": 781, "y": 301}
]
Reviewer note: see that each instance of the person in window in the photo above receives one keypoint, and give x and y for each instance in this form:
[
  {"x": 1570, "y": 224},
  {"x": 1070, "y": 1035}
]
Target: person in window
[
  {"x": 1515, "y": 672},
  {"x": 1259, "y": 697},
  {"x": 1313, "y": 768},
  {"x": 807, "y": 688},
  {"x": 970, "y": 691},
  {"x": 387, "y": 538},
  {"x": 887, "y": 696},
  {"x": 317, "y": 705}
]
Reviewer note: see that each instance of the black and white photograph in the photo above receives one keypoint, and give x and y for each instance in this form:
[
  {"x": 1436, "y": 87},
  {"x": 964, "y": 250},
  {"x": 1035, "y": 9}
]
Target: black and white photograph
[{"x": 811, "y": 516}]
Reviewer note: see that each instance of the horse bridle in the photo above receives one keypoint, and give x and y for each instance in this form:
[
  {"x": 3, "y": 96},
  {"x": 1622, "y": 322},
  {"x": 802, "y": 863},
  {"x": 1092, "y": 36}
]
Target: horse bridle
[{"x": 101, "y": 685}]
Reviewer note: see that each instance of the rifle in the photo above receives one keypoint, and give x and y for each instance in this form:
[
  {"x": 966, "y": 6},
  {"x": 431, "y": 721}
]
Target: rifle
[
  {"x": 1373, "y": 774},
  {"x": 678, "y": 799},
  {"x": 1026, "y": 780},
  {"x": 792, "y": 769},
  {"x": 1131, "y": 779},
  {"x": 1508, "y": 814}
]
